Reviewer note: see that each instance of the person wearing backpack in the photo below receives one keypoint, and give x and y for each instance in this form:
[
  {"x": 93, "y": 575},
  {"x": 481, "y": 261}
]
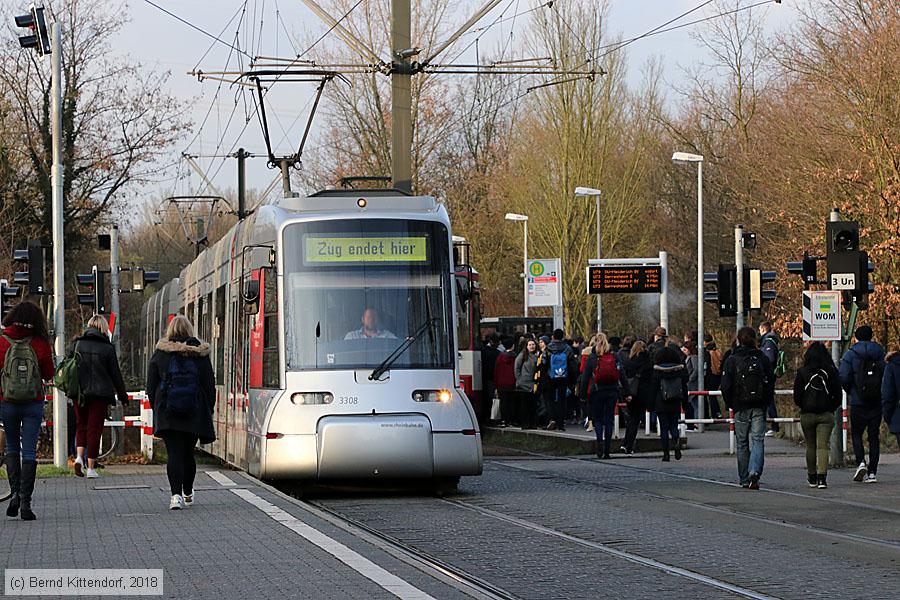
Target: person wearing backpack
[
  {"x": 100, "y": 383},
  {"x": 862, "y": 369},
  {"x": 768, "y": 344},
  {"x": 670, "y": 385},
  {"x": 890, "y": 393},
  {"x": 748, "y": 387},
  {"x": 639, "y": 370},
  {"x": 817, "y": 393},
  {"x": 609, "y": 384},
  {"x": 562, "y": 371},
  {"x": 26, "y": 361},
  {"x": 182, "y": 393}
]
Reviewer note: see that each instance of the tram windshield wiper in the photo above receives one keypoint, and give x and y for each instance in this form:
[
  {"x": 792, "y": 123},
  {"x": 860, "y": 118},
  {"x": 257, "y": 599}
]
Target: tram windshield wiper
[{"x": 398, "y": 352}]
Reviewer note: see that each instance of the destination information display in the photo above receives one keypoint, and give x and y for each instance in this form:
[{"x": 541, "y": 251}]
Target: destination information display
[
  {"x": 357, "y": 250},
  {"x": 624, "y": 280}
]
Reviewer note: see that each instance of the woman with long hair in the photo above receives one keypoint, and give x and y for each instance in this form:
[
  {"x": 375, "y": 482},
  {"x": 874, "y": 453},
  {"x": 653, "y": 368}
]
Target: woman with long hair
[
  {"x": 525, "y": 366},
  {"x": 26, "y": 361},
  {"x": 609, "y": 384},
  {"x": 181, "y": 389},
  {"x": 639, "y": 370},
  {"x": 100, "y": 382},
  {"x": 670, "y": 388},
  {"x": 817, "y": 393}
]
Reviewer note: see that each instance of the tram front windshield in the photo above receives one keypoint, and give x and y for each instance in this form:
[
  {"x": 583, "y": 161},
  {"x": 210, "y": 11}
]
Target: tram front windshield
[{"x": 355, "y": 290}]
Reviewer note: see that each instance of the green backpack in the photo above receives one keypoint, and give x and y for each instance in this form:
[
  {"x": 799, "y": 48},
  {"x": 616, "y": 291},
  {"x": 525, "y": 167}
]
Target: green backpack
[
  {"x": 66, "y": 378},
  {"x": 780, "y": 365},
  {"x": 21, "y": 377}
]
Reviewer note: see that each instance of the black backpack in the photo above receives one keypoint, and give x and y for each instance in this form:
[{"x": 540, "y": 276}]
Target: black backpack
[
  {"x": 815, "y": 394},
  {"x": 752, "y": 379},
  {"x": 671, "y": 389},
  {"x": 868, "y": 380},
  {"x": 181, "y": 386}
]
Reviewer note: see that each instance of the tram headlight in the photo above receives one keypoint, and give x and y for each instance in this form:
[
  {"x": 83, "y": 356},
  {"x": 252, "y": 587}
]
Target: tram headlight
[
  {"x": 312, "y": 398},
  {"x": 432, "y": 395}
]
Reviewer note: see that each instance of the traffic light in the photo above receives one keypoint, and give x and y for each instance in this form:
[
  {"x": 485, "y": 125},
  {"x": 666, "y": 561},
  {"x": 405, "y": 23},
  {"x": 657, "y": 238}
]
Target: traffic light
[
  {"x": 142, "y": 278},
  {"x": 33, "y": 260},
  {"x": 39, "y": 38},
  {"x": 807, "y": 269},
  {"x": 96, "y": 282},
  {"x": 848, "y": 266},
  {"x": 725, "y": 296},
  {"x": 7, "y": 294},
  {"x": 864, "y": 287},
  {"x": 754, "y": 294}
]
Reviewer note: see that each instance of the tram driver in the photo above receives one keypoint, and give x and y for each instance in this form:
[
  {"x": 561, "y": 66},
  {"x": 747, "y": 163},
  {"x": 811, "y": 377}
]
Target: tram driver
[{"x": 369, "y": 329}]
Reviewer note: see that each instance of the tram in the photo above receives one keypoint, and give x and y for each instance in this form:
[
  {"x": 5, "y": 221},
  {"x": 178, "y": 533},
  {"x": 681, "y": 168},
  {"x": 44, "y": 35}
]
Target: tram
[
  {"x": 333, "y": 330},
  {"x": 468, "y": 320}
]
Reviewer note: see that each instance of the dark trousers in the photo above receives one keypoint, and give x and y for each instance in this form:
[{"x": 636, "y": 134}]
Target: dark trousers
[
  {"x": 635, "y": 415},
  {"x": 668, "y": 428},
  {"x": 527, "y": 409},
  {"x": 89, "y": 426},
  {"x": 772, "y": 413},
  {"x": 603, "y": 406},
  {"x": 866, "y": 419},
  {"x": 181, "y": 466},
  {"x": 487, "y": 399},
  {"x": 558, "y": 390},
  {"x": 508, "y": 411}
]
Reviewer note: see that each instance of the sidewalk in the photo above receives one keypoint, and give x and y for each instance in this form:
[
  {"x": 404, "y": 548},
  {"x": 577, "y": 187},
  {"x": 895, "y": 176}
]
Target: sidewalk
[{"x": 240, "y": 540}]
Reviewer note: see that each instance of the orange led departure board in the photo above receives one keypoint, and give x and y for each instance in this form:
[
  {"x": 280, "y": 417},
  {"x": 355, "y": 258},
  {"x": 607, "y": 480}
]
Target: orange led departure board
[{"x": 624, "y": 280}]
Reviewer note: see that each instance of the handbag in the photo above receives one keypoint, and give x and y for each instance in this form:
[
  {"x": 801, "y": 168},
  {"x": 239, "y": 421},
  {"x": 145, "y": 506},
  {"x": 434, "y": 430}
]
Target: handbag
[{"x": 495, "y": 409}]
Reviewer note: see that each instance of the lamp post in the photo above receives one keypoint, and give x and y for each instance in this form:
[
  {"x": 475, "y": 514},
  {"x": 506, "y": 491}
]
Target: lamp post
[
  {"x": 684, "y": 157},
  {"x": 524, "y": 220},
  {"x": 591, "y": 192}
]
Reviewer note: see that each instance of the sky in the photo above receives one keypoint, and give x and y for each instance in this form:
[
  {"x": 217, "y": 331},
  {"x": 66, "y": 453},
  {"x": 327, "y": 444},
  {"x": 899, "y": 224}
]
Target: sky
[{"x": 163, "y": 43}]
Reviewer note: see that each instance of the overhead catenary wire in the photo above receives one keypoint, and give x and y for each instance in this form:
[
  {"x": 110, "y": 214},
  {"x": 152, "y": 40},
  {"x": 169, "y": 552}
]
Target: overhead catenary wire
[{"x": 195, "y": 27}]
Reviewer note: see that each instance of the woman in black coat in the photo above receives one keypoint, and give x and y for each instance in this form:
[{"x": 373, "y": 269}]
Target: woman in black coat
[
  {"x": 639, "y": 370},
  {"x": 817, "y": 393},
  {"x": 182, "y": 392}
]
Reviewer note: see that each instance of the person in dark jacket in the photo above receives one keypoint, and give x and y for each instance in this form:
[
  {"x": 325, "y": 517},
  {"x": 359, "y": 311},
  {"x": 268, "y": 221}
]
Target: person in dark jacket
[
  {"x": 22, "y": 418},
  {"x": 639, "y": 371},
  {"x": 748, "y": 387},
  {"x": 817, "y": 393},
  {"x": 562, "y": 367},
  {"x": 182, "y": 430},
  {"x": 505, "y": 382},
  {"x": 101, "y": 383},
  {"x": 890, "y": 393},
  {"x": 768, "y": 345},
  {"x": 489, "y": 354},
  {"x": 585, "y": 382},
  {"x": 604, "y": 395},
  {"x": 712, "y": 369},
  {"x": 670, "y": 384},
  {"x": 692, "y": 363},
  {"x": 865, "y": 409},
  {"x": 525, "y": 366}
]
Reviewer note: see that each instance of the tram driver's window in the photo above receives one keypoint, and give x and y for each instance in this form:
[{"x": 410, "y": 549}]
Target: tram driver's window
[{"x": 270, "y": 373}]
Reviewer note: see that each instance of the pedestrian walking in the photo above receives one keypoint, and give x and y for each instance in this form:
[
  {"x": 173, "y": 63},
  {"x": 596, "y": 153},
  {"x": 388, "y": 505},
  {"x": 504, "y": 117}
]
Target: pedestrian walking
[
  {"x": 100, "y": 383},
  {"x": 489, "y": 354},
  {"x": 525, "y": 366},
  {"x": 639, "y": 371},
  {"x": 562, "y": 367},
  {"x": 585, "y": 383},
  {"x": 670, "y": 384},
  {"x": 660, "y": 339},
  {"x": 890, "y": 393},
  {"x": 817, "y": 393},
  {"x": 542, "y": 382},
  {"x": 862, "y": 369},
  {"x": 609, "y": 384},
  {"x": 748, "y": 387},
  {"x": 625, "y": 351},
  {"x": 769, "y": 344},
  {"x": 182, "y": 393},
  {"x": 692, "y": 365},
  {"x": 712, "y": 368},
  {"x": 505, "y": 382},
  {"x": 26, "y": 361}
]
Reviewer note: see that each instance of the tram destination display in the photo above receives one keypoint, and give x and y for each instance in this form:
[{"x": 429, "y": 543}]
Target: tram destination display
[
  {"x": 624, "y": 280},
  {"x": 364, "y": 250}
]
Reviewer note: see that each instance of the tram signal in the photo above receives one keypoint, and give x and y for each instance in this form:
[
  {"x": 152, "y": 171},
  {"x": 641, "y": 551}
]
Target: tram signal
[
  {"x": 39, "y": 38},
  {"x": 142, "y": 278},
  {"x": 33, "y": 260},
  {"x": 725, "y": 296},
  {"x": 807, "y": 269},
  {"x": 7, "y": 294},
  {"x": 754, "y": 282},
  {"x": 95, "y": 281}
]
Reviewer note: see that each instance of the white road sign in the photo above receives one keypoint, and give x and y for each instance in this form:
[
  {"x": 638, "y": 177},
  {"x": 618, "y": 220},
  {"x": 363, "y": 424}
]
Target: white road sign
[
  {"x": 544, "y": 282},
  {"x": 822, "y": 316},
  {"x": 843, "y": 281}
]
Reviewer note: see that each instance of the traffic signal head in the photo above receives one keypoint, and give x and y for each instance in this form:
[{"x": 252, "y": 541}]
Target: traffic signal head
[
  {"x": 33, "y": 275},
  {"x": 8, "y": 293},
  {"x": 95, "y": 280},
  {"x": 806, "y": 269},
  {"x": 39, "y": 38},
  {"x": 754, "y": 294},
  {"x": 725, "y": 296},
  {"x": 842, "y": 236},
  {"x": 142, "y": 278}
]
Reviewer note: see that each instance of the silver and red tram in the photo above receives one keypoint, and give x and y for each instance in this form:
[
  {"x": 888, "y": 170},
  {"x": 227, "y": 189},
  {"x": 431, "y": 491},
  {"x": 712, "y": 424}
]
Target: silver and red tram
[
  {"x": 333, "y": 330},
  {"x": 468, "y": 319}
]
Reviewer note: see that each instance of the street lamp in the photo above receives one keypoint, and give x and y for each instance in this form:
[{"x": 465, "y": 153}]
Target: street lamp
[
  {"x": 524, "y": 220},
  {"x": 685, "y": 157},
  {"x": 589, "y": 192}
]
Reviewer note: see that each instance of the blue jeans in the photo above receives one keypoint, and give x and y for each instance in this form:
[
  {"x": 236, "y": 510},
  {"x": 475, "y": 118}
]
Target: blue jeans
[
  {"x": 603, "y": 406},
  {"x": 750, "y": 423},
  {"x": 22, "y": 423},
  {"x": 668, "y": 427}
]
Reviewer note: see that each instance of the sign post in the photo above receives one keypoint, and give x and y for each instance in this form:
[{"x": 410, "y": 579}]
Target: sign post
[
  {"x": 631, "y": 276},
  {"x": 545, "y": 286}
]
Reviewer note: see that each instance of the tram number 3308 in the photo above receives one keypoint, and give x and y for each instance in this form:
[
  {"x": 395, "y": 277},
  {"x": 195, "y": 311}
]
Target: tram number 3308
[{"x": 348, "y": 400}]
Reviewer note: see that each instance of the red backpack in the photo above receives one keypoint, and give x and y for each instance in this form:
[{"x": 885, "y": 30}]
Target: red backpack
[{"x": 607, "y": 372}]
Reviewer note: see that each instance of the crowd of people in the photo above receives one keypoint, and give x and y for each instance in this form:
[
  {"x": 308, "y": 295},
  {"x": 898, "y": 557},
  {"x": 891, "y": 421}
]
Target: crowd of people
[
  {"x": 180, "y": 387},
  {"x": 552, "y": 382}
]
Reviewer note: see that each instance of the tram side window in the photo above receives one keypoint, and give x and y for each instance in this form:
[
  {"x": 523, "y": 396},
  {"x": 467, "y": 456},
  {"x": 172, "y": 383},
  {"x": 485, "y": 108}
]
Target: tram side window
[
  {"x": 270, "y": 377},
  {"x": 220, "y": 335},
  {"x": 206, "y": 318},
  {"x": 190, "y": 314},
  {"x": 463, "y": 331}
]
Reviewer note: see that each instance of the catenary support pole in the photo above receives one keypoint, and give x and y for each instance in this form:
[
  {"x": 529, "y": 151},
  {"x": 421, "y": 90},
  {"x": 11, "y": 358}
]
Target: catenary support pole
[
  {"x": 286, "y": 178},
  {"x": 664, "y": 289},
  {"x": 739, "y": 274},
  {"x": 60, "y": 410},
  {"x": 401, "y": 97}
]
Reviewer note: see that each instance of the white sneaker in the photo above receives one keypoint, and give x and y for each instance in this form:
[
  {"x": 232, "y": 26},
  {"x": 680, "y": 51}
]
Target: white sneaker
[
  {"x": 176, "y": 503},
  {"x": 188, "y": 499},
  {"x": 870, "y": 478},
  {"x": 770, "y": 433},
  {"x": 79, "y": 467},
  {"x": 861, "y": 472},
  {"x": 92, "y": 474}
]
